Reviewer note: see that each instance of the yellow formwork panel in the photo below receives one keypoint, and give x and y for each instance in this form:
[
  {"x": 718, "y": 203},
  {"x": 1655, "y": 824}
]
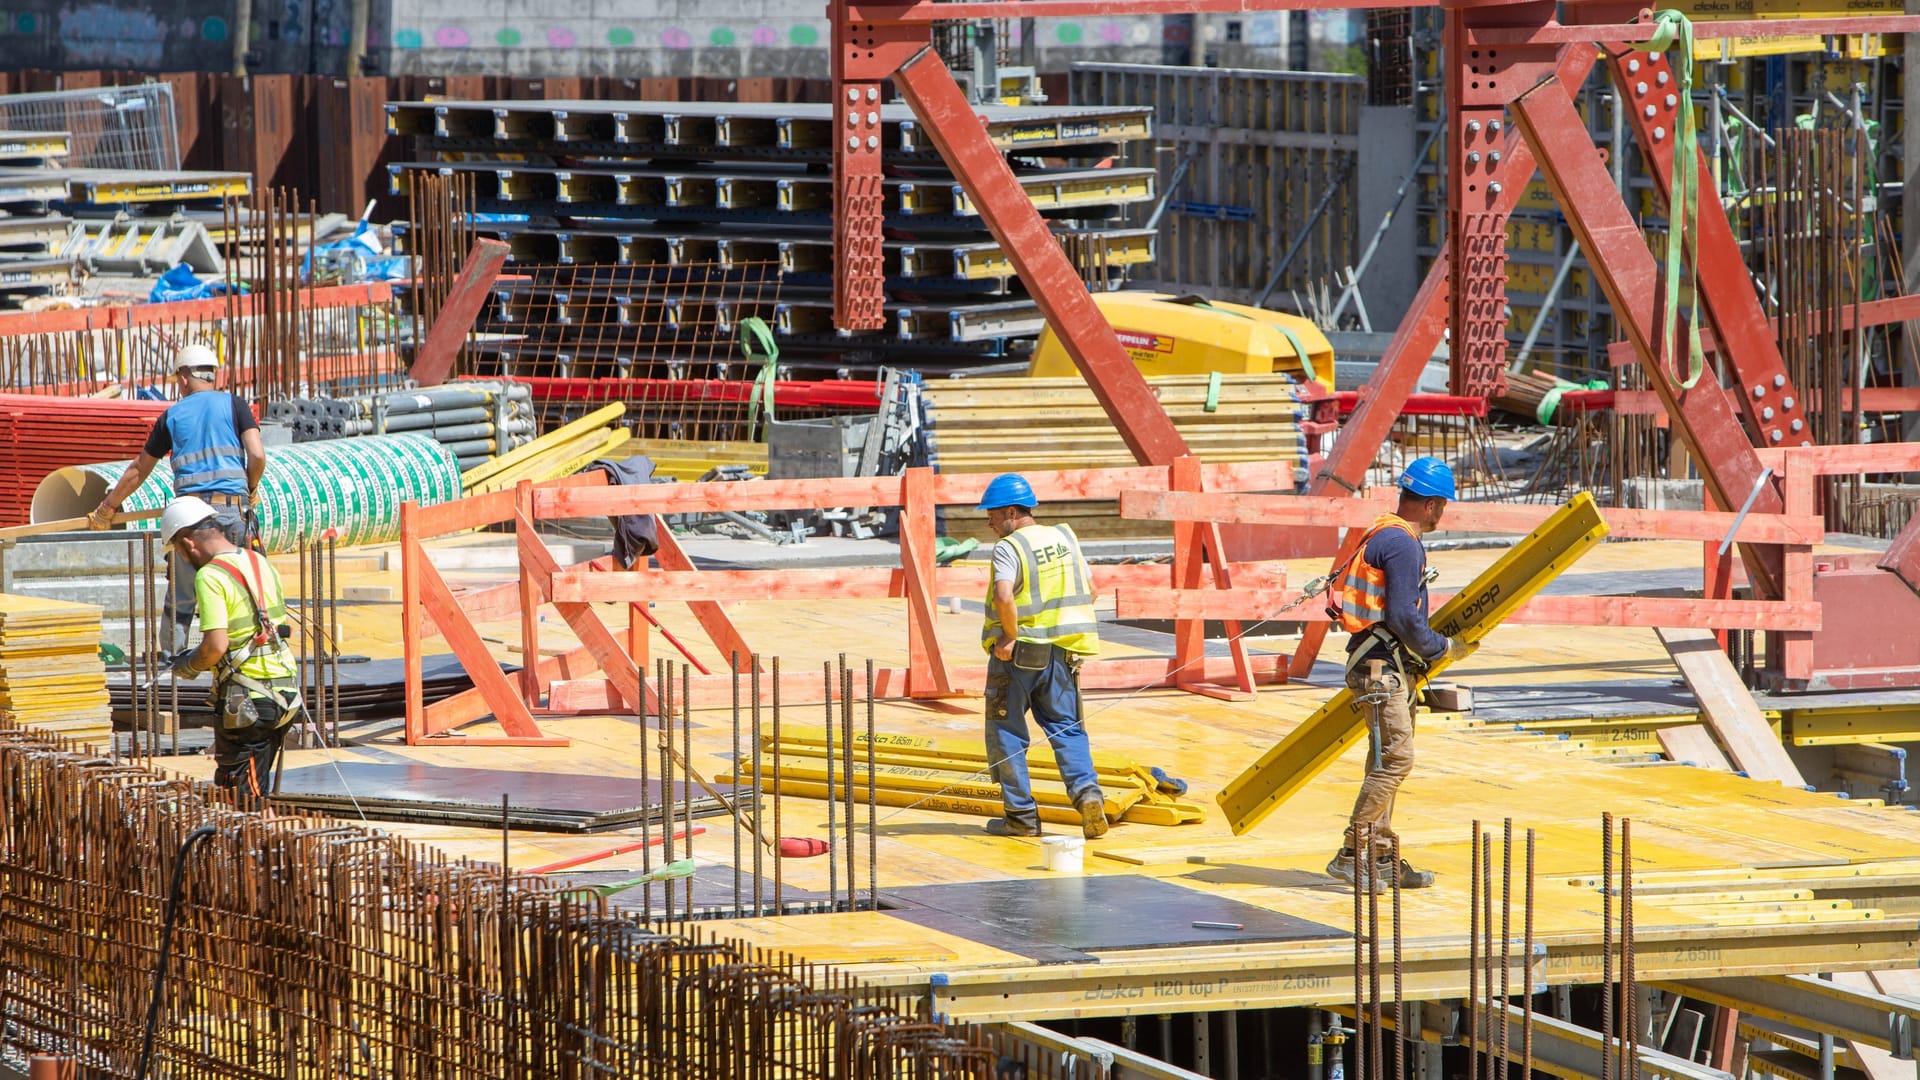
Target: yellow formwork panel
[{"x": 1523, "y": 571}]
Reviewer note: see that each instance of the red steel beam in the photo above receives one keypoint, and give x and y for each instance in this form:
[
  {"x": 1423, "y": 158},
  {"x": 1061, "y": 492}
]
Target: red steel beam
[
  {"x": 1774, "y": 407},
  {"x": 433, "y": 364},
  {"x": 928, "y": 11},
  {"x": 1618, "y": 255},
  {"x": 1647, "y": 403},
  {"x": 1037, "y": 257},
  {"x": 825, "y": 394},
  {"x": 1866, "y": 313},
  {"x": 1703, "y": 30}
]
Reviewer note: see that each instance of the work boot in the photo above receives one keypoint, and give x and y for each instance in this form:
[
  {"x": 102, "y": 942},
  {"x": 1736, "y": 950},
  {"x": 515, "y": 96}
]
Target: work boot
[
  {"x": 1344, "y": 867},
  {"x": 1027, "y": 824},
  {"x": 1093, "y": 813}
]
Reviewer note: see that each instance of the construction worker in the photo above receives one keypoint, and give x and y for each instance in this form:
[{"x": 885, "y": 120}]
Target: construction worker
[
  {"x": 243, "y": 625},
  {"x": 1380, "y": 597},
  {"x": 213, "y": 443},
  {"x": 1039, "y": 629}
]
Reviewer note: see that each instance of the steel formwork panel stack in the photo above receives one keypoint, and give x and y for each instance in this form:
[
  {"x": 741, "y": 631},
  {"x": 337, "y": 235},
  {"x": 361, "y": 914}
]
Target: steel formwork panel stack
[{"x": 636, "y": 201}]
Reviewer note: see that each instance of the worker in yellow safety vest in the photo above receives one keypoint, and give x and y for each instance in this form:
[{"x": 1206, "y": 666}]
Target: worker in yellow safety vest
[
  {"x": 243, "y": 622},
  {"x": 1379, "y": 596},
  {"x": 1039, "y": 629}
]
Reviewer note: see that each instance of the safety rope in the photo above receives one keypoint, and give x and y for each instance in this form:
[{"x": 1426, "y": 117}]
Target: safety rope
[{"x": 1672, "y": 30}]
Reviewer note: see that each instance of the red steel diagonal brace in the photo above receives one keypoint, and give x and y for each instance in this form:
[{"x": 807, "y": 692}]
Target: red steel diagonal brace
[
  {"x": 1414, "y": 341},
  {"x": 1479, "y": 83},
  {"x": 864, "y": 55},
  {"x": 1618, "y": 256},
  {"x": 1037, "y": 257},
  {"x": 1745, "y": 338}
]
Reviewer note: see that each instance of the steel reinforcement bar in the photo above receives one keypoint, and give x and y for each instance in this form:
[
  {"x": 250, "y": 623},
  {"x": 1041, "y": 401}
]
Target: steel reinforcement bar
[{"x": 304, "y": 947}]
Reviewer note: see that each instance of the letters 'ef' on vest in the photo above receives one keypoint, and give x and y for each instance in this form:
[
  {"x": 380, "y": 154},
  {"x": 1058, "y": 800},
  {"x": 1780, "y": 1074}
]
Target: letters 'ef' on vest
[
  {"x": 207, "y": 455},
  {"x": 1362, "y": 589},
  {"x": 1054, "y": 601}
]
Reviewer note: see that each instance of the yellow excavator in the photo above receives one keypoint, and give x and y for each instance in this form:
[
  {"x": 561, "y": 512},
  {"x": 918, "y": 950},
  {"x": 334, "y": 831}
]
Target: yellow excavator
[{"x": 1190, "y": 335}]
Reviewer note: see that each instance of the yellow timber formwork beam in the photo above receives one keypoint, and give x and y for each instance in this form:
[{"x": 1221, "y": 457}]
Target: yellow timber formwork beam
[{"x": 1470, "y": 616}]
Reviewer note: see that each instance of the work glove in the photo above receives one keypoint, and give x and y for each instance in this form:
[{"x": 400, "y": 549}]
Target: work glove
[
  {"x": 183, "y": 664},
  {"x": 101, "y": 518},
  {"x": 1456, "y": 650}
]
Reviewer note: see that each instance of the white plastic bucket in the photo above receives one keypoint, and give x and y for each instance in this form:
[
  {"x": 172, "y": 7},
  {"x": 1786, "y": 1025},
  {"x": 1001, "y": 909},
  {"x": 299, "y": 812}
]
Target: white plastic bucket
[{"x": 1063, "y": 854}]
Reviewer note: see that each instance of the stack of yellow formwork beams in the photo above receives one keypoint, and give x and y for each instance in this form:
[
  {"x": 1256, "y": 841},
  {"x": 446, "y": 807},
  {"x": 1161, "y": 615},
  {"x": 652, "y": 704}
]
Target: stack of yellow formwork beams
[
  {"x": 687, "y": 460},
  {"x": 952, "y": 775},
  {"x": 560, "y": 452},
  {"x": 51, "y": 675},
  {"x": 1031, "y": 425}
]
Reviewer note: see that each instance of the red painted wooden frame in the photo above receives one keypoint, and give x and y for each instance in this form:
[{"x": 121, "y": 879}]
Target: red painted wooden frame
[{"x": 430, "y": 607}]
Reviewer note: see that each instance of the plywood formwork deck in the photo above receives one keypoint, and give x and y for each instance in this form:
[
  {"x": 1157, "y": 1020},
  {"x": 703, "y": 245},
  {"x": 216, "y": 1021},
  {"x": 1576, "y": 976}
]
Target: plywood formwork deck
[{"x": 1733, "y": 876}]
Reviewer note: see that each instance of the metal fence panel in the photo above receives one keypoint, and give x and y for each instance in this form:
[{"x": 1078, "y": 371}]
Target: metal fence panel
[{"x": 113, "y": 127}]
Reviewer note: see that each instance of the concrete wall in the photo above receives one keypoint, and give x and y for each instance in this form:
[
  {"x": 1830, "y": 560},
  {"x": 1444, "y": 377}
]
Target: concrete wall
[
  {"x": 678, "y": 38},
  {"x": 289, "y": 36}
]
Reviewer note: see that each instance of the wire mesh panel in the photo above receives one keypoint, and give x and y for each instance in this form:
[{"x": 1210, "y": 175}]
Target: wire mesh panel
[{"x": 113, "y": 127}]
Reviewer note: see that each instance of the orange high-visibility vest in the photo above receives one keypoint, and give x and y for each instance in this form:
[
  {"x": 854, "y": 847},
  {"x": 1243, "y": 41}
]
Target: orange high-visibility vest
[{"x": 1362, "y": 588}]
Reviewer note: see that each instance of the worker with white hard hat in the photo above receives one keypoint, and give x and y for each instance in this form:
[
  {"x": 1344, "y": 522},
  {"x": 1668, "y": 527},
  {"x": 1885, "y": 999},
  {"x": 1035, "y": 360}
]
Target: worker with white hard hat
[
  {"x": 213, "y": 442},
  {"x": 243, "y": 628}
]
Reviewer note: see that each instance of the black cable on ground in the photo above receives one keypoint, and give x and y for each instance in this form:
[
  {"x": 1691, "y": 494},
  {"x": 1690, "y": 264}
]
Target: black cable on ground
[{"x": 166, "y": 943}]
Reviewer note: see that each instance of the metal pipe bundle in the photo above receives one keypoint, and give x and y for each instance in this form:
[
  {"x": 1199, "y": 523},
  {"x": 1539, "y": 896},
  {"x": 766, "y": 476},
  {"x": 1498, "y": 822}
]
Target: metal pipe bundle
[{"x": 480, "y": 419}]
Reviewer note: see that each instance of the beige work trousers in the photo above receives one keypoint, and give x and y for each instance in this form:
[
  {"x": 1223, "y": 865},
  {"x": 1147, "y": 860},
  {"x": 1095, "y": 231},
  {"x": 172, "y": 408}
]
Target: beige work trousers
[{"x": 1374, "y": 806}]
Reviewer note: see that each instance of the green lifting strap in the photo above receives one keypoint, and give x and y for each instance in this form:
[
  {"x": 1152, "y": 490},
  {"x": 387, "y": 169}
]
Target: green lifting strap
[
  {"x": 756, "y": 342},
  {"x": 1299, "y": 350},
  {"x": 1672, "y": 30},
  {"x": 1213, "y": 391}
]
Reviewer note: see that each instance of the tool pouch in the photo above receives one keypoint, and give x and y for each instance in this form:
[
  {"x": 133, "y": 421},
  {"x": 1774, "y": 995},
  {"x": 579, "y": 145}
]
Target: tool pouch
[
  {"x": 237, "y": 710},
  {"x": 1032, "y": 655}
]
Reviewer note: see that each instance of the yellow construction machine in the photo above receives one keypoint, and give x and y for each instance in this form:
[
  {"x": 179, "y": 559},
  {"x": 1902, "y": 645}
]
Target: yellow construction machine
[{"x": 1189, "y": 335}]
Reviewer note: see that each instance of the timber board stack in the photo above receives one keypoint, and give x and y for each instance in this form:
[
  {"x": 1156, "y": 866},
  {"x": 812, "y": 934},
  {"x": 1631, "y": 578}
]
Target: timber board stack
[
  {"x": 51, "y": 674},
  {"x": 620, "y": 201},
  {"x": 1030, "y": 425}
]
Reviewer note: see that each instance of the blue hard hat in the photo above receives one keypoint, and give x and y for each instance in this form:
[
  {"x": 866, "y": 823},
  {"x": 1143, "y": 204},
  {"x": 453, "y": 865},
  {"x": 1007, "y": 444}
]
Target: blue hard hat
[
  {"x": 1428, "y": 476},
  {"x": 1008, "y": 489}
]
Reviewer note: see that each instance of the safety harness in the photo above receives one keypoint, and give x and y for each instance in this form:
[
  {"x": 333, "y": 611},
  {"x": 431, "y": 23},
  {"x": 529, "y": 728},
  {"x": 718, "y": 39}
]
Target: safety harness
[{"x": 266, "y": 637}]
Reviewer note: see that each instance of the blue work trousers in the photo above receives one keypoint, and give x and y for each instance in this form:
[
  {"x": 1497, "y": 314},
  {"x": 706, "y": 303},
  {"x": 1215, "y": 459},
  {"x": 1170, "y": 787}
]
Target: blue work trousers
[{"x": 1053, "y": 695}]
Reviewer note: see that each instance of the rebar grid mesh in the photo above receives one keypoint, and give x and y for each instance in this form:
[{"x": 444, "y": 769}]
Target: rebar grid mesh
[{"x": 310, "y": 948}]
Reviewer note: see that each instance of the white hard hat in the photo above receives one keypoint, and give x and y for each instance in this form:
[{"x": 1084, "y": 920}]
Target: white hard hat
[
  {"x": 196, "y": 355},
  {"x": 181, "y": 514}
]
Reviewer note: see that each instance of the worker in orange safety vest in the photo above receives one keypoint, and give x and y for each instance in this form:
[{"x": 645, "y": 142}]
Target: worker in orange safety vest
[{"x": 1380, "y": 598}]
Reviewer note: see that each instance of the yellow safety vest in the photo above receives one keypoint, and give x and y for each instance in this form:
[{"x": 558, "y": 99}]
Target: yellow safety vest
[{"x": 1054, "y": 601}]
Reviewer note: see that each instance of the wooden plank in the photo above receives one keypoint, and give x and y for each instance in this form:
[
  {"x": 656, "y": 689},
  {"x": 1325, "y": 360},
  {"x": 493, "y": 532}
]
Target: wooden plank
[
  {"x": 588, "y": 695},
  {"x": 712, "y": 617},
  {"x": 491, "y": 683},
  {"x": 1728, "y": 707},
  {"x": 433, "y": 363},
  {"x": 1318, "y": 511},
  {"x": 537, "y": 565},
  {"x": 1651, "y": 611},
  {"x": 1517, "y": 575},
  {"x": 926, "y": 666},
  {"x": 1693, "y": 743}
]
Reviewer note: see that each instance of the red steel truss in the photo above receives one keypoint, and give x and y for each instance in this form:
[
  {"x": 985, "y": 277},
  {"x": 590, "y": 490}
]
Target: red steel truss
[{"x": 1511, "y": 71}]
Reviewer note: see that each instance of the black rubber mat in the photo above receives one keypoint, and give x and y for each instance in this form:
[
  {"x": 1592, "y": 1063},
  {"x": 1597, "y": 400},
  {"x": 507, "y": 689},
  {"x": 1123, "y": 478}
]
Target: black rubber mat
[
  {"x": 1068, "y": 919},
  {"x": 558, "y": 802}
]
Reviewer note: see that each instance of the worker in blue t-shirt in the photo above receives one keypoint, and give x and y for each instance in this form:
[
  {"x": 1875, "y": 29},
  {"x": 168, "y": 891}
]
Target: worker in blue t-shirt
[{"x": 213, "y": 443}]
